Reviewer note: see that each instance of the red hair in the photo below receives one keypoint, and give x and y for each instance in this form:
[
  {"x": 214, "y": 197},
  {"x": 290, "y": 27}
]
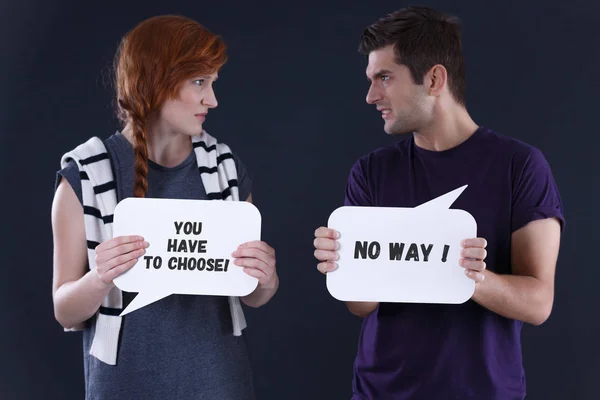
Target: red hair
[{"x": 152, "y": 62}]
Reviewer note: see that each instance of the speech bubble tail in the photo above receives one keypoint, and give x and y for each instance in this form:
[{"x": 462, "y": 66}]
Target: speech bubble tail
[
  {"x": 143, "y": 299},
  {"x": 444, "y": 201}
]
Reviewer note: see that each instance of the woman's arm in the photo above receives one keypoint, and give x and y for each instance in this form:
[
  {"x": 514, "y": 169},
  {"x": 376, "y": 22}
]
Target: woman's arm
[{"x": 78, "y": 293}]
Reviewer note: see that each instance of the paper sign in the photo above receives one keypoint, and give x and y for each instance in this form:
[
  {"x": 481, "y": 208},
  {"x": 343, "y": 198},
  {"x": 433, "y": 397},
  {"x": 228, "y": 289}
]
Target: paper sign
[
  {"x": 402, "y": 254},
  {"x": 191, "y": 242}
]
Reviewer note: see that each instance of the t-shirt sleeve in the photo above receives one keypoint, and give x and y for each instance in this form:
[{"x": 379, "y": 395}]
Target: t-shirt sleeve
[
  {"x": 358, "y": 192},
  {"x": 535, "y": 193},
  {"x": 71, "y": 174},
  {"x": 244, "y": 179}
]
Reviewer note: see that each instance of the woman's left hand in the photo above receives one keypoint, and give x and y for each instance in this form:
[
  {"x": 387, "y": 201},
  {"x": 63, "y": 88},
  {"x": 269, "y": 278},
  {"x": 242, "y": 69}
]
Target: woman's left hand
[{"x": 258, "y": 260}]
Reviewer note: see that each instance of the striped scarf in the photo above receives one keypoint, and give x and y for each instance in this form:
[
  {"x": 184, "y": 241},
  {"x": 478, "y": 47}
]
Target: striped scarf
[{"x": 219, "y": 176}]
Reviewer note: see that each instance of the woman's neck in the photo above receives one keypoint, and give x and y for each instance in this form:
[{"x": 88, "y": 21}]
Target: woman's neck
[{"x": 168, "y": 149}]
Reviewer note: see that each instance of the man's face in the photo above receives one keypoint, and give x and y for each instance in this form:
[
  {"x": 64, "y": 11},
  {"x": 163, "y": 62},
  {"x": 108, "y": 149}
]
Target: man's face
[{"x": 404, "y": 105}]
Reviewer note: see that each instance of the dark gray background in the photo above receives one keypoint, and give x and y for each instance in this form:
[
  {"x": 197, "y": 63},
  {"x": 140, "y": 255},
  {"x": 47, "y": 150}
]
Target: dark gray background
[{"x": 292, "y": 106}]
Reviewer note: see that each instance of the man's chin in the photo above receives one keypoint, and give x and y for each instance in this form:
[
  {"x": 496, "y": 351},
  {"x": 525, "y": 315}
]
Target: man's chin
[{"x": 394, "y": 130}]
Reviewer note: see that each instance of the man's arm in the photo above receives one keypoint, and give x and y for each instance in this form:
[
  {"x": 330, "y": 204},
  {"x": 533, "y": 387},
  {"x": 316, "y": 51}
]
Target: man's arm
[
  {"x": 361, "y": 309},
  {"x": 358, "y": 193},
  {"x": 326, "y": 246},
  {"x": 528, "y": 294}
]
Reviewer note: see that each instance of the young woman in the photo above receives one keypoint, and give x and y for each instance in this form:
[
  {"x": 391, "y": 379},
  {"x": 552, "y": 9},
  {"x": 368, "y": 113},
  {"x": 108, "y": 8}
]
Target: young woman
[{"x": 181, "y": 347}]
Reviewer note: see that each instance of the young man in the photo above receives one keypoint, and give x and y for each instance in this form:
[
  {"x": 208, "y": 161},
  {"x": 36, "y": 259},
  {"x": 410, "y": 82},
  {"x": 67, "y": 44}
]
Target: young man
[{"x": 472, "y": 350}]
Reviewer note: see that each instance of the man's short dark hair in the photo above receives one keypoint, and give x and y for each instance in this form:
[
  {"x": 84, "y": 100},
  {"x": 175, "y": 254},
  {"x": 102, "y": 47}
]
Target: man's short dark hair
[{"x": 422, "y": 37}]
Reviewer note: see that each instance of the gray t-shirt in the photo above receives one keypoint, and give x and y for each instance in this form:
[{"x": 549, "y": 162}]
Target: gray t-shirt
[{"x": 180, "y": 347}]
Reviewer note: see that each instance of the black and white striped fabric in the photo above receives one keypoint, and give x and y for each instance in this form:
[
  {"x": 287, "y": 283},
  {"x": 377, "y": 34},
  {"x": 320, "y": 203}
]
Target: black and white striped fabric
[
  {"x": 219, "y": 177},
  {"x": 217, "y": 168}
]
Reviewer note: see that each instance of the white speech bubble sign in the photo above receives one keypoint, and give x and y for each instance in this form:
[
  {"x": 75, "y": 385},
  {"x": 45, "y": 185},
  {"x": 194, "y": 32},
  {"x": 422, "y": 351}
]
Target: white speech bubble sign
[
  {"x": 403, "y": 279},
  {"x": 224, "y": 226}
]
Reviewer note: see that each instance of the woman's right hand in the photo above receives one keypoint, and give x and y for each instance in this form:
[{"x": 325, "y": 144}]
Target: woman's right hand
[{"x": 117, "y": 255}]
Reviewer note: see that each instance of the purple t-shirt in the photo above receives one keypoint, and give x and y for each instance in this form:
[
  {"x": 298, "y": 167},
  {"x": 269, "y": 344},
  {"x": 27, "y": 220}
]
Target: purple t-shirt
[{"x": 431, "y": 351}]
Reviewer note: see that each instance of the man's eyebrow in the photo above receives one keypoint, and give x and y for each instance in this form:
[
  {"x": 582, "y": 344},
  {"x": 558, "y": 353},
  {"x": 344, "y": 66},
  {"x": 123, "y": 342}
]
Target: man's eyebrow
[{"x": 379, "y": 74}]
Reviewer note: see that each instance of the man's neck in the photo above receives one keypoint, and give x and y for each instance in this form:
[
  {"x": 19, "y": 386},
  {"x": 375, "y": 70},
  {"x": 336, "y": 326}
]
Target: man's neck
[{"x": 450, "y": 127}]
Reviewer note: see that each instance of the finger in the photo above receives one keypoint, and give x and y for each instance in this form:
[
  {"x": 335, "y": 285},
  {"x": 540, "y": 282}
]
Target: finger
[
  {"x": 107, "y": 255},
  {"x": 324, "y": 232},
  {"x": 475, "y": 242},
  {"x": 477, "y": 253},
  {"x": 254, "y": 253},
  {"x": 258, "y": 244},
  {"x": 476, "y": 276},
  {"x": 117, "y": 271},
  {"x": 325, "y": 267},
  {"x": 326, "y": 244},
  {"x": 254, "y": 272},
  {"x": 474, "y": 265},
  {"x": 323, "y": 255},
  {"x": 123, "y": 259},
  {"x": 252, "y": 263},
  {"x": 117, "y": 241}
]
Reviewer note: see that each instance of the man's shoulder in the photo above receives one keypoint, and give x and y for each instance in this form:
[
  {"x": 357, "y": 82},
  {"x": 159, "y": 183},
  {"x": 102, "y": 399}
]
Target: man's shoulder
[
  {"x": 510, "y": 145},
  {"x": 385, "y": 154}
]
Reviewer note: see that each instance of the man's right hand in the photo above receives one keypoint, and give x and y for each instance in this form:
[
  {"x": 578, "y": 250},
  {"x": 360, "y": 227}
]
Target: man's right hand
[
  {"x": 325, "y": 249},
  {"x": 326, "y": 246}
]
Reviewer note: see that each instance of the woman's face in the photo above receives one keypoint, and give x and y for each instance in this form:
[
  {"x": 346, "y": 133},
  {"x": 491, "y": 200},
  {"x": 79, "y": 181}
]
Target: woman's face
[{"x": 186, "y": 113}]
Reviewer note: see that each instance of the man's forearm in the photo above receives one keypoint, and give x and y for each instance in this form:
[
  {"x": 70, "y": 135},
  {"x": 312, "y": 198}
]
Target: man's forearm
[
  {"x": 523, "y": 298},
  {"x": 361, "y": 308}
]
